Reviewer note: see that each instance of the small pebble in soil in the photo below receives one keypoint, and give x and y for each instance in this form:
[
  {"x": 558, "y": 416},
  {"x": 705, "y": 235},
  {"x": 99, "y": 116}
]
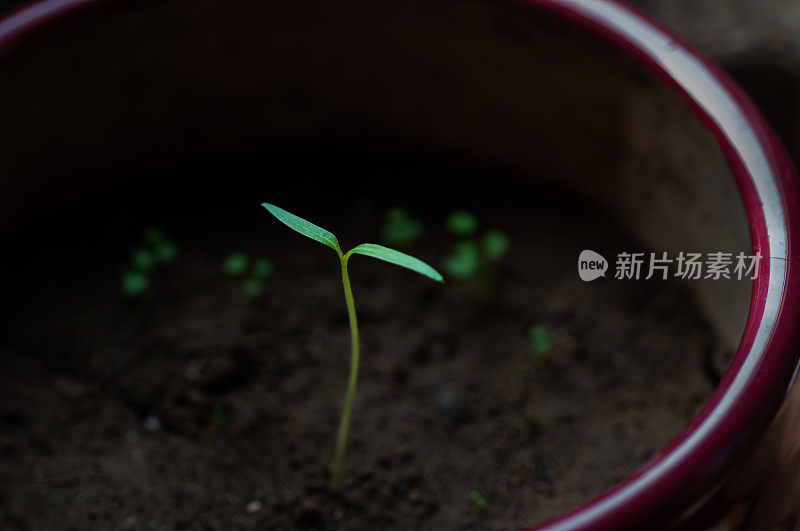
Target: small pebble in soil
[
  {"x": 254, "y": 506},
  {"x": 449, "y": 402},
  {"x": 70, "y": 388},
  {"x": 128, "y": 524},
  {"x": 152, "y": 423}
]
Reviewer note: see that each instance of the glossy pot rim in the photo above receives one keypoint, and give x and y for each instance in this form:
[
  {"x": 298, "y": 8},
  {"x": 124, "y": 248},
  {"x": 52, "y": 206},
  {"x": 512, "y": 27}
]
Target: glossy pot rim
[{"x": 766, "y": 360}]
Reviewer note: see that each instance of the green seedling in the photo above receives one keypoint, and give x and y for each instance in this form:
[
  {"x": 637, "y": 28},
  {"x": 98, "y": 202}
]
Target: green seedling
[
  {"x": 218, "y": 418},
  {"x": 400, "y": 228},
  {"x": 143, "y": 259},
  {"x": 252, "y": 287},
  {"x": 465, "y": 260},
  {"x": 237, "y": 264},
  {"x": 462, "y": 223},
  {"x": 541, "y": 339},
  {"x": 164, "y": 250},
  {"x": 156, "y": 249},
  {"x": 262, "y": 268},
  {"x": 367, "y": 249},
  {"x": 495, "y": 244},
  {"x": 478, "y": 502},
  {"x": 134, "y": 282},
  {"x": 473, "y": 256}
]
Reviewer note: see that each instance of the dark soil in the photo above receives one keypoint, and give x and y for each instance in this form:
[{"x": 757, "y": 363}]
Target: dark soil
[{"x": 194, "y": 408}]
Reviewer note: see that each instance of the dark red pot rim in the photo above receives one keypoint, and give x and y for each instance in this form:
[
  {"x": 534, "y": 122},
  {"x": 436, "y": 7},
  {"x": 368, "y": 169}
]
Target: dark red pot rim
[{"x": 766, "y": 360}]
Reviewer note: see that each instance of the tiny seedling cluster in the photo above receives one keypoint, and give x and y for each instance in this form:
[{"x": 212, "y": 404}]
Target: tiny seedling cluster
[
  {"x": 400, "y": 228},
  {"x": 473, "y": 255},
  {"x": 367, "y": 249},
  {"x": 155, "y": 249},
  {"x": 239, "y": 264},
  {"x": 478, "y": 502},
  {"x": 218, "y": 417},
  {"x": 542, "y": 339}
]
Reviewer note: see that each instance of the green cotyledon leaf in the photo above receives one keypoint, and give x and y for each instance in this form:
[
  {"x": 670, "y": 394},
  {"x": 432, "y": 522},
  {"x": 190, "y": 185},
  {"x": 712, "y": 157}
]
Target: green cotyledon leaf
[
  {"x": 397, "y": 258},
  {"x": 304, "y": 227}
]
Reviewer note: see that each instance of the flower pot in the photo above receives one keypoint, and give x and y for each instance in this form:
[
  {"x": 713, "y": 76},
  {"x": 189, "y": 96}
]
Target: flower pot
[{"x": 588, "y": 95}]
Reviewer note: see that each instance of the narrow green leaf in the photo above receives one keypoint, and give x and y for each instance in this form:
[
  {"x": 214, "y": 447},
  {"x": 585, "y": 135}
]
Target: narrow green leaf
[
  {"x": 396, "y": 257},
  {"x": 303, "y": 227}
]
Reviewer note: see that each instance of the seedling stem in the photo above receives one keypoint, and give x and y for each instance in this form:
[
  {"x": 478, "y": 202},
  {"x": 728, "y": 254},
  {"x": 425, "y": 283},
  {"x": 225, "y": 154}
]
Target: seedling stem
[{"x": 344, "y": 423}]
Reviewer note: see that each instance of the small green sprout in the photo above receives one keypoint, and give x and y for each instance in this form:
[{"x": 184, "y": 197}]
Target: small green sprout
[
  {"x": 541, "y": 338},
  {"x": 144, "y": 258},
  {"x": 237, "y": 264},
  {"x": 165, "y": 251},
  {"x": 252, "y": 287},
  {"x": 472, "y": 257},
  {"x": 495, "y": 244},
  {"x": 478, "y": 502},
  {"x": 153, "y": 236},
  {"x": 400, "y": 228},
  {"x": 462, "y": 223},
  {"x": 262, "y": 268},
  {"x": 218, "y": 417},
  {"x": 464, "y": 261},
  {"x": 134, "y": 282},
  {"x": 367, "y": 249}
]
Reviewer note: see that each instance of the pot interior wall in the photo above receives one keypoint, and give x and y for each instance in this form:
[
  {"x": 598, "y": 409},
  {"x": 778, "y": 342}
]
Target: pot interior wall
[{"x": 147, "y": 87}]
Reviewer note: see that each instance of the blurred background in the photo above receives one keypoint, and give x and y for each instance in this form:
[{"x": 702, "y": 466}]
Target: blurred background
[{"x": 756, "y": 41}]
